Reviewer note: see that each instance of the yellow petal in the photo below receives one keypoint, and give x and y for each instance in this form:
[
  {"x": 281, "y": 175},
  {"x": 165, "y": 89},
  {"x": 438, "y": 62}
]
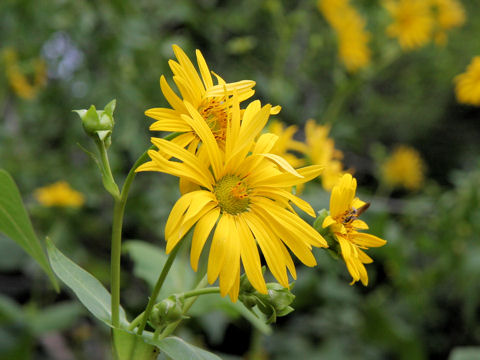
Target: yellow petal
[
  {"x": 201, "y": 234},
  {"x": 367, "y": 240},
  {"x": 250, "y": 257},
  {"x": 204, "y": 71},
  {"x": 217, "y": 250},
  {"x": 171, "y": 97},
  {"x": 328, "y": 221}
]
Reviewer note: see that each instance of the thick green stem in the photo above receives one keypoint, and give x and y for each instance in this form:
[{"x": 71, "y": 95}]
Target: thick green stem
[
  {"x": 118, "y": 211},
  {"x": 157, "y": 288}
]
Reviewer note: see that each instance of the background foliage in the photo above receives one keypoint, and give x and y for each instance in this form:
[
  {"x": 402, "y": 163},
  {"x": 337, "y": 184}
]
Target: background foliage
[{"x": 423, "y": 297}]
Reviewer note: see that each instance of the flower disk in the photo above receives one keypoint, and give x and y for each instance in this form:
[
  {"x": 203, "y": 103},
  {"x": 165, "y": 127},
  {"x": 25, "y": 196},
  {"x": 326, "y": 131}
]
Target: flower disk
[{"x": 232, "y": 194}]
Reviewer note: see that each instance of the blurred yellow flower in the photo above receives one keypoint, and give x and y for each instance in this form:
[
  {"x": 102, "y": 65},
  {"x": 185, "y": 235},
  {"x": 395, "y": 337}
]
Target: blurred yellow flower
[
  {"x": 17, "y": 79},
  {"x": 241, "y": 192},
  {"x": 350, "y": 28},
  {"x": 448, "y": 14},
  {"x": 285, "y": 144},
  {"x": 404, "y": 168},
  {"x": 211, "y": 101},
  {"x": 59, "y": 194},
  {"x": 321, "y": 151},
  {"x": 468, "y": 84},
  {"x": 412, "y": 22},
  {"x": 343, "y": 222}
]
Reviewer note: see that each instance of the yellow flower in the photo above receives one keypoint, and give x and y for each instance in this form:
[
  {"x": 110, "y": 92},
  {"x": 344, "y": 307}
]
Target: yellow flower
[
  {"x": 18, "y": 81},
  {"x": 285, "y": 144},
  {"x": 343, "y": 222},
  {"x": 404, "y": 168},
  {"x": 413, "y": 22},
  {"x": 59, "y": 194},
  {"x": 350, "y": 28},
  {"x": 321, "y": 151},
  {"x": 448, "y": 14},
  {"x": 468, "y": 84},
  {"x": 241, "y": 192},
  {"x": 211, "y": 101}
]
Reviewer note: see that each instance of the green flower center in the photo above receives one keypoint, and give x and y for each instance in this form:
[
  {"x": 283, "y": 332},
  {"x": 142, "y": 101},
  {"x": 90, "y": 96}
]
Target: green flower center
[{"x": 232, "y": 194}]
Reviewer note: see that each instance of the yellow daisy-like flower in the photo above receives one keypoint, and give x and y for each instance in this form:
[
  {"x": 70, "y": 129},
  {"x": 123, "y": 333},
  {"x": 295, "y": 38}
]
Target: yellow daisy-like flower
[
  {"x": 241, "y": 193},
  {"x": 404, "y": 168},
  {"x": 343, "y": 222},
  {"x": 285, "y": 144},
  {"x": 211, "y": 101},
  {"x": 350, "y": 28},
  {"x": 413, "y": 22},
  {"x": 321, "y": 151},
  {"x": 468, "y": 84},
  {"x": 448, "y": 14},
  {"x": 59, "y": 194}
]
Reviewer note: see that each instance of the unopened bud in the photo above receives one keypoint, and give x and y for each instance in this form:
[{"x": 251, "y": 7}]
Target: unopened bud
[
  {"x": 167, "y": 311},
  {"x": 98, "y": 123}
]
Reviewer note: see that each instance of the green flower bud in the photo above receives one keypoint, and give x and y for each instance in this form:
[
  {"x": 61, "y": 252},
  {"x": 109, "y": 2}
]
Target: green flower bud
[
  {"x": 98, "y": 123},
  {"x": 167, "y": 311}
]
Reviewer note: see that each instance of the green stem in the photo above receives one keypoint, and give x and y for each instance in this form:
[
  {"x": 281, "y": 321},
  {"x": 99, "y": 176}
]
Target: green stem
[
  {"x": 157, "y": 288},
  {"x": 118, "y": 212},
  {"x": 198, "y": 292},
  {"x": 107, "y": 176}
]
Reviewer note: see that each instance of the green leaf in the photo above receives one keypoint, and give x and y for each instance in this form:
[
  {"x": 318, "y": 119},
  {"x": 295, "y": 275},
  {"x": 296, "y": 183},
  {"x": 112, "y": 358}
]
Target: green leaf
[
  {"x": 465, "y": 353},
  {"x": 57, "y": 317},
  {"x": 129, "y": 346},
  {"x": 179, "y": 349},
  {"x": 88, "y": 289},
  {"x": 149, "y": 261},
  {"x": 15, "y": 223}
]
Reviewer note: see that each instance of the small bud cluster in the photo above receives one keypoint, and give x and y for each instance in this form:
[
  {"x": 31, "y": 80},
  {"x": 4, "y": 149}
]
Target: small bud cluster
[{"x": 275, "y": 303}]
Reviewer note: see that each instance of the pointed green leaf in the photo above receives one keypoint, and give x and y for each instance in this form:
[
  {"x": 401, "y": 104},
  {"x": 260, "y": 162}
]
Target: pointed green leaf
[
  {"x": 179, "y": 349},
  {"x": 130, "y": 346},
  {"x": 15, "y": 223},
  {"x": 88, "y": 289}
]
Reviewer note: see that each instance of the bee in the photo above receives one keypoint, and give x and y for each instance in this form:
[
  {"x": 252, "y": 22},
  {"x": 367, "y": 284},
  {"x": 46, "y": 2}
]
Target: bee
[{"x": 355, "y": 213}]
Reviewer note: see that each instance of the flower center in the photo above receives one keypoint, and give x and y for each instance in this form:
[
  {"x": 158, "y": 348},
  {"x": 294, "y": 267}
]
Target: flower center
[
  {"x": 232, "y": 194},
  {"x": 216, "y": 115}
]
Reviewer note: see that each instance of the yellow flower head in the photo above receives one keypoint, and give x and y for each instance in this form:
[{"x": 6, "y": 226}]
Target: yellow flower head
[
  {"x": 59, "y": 194},
  {"x": 343, "y": 221},
  {"x": 350, "y": 28},
  {"x": 404, "y": 168},
  {"x": 412, "y": 22},
  {"x": 285, "y": 144},
  {"x": 211, "y": 101},
  {"x": 240, "y": 196},
  {"x": 321, "y": 151},
  {"x": 468, "y": 84},
  {"x": 448, "y": 14}
]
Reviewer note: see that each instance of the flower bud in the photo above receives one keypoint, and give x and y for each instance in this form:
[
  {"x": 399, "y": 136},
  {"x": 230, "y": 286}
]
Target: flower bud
[
  {"x": 167, "y": 311},
  {"x": 98, "y": 123},
  {"x": 333, "y": 246}
]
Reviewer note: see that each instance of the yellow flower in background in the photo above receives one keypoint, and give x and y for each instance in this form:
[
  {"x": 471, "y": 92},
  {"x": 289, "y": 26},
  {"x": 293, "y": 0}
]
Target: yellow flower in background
[
  {"x": 350, "y": 28},
  {"x": 404, "y": 168},
  {"x": 468, "y": 84},
  {"x": 285, "y": 144},
  {"x": 321, "y": 151},
  {"x": 448, "y": 14},
  {"x": 343, "y": 222},
  {"x": 59, "y": 194},
  {"x": 240, "y": 191},
  {"x": 20, "y": 84},
  {"x": 412, "y": 22},
  {"x": 211, "y": 101}
]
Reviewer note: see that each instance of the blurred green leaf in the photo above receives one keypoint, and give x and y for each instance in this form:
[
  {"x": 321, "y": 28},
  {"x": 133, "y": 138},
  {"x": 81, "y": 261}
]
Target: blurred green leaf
[
  {"x": 465, "y": 353},
  {"x": 179, "y": 349},
  {"x": 57, "y": 317},
  {"x": 15, "y": 223},
  {"x": 149, "y": 260},
  {"x": 88, "y": 289}
]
